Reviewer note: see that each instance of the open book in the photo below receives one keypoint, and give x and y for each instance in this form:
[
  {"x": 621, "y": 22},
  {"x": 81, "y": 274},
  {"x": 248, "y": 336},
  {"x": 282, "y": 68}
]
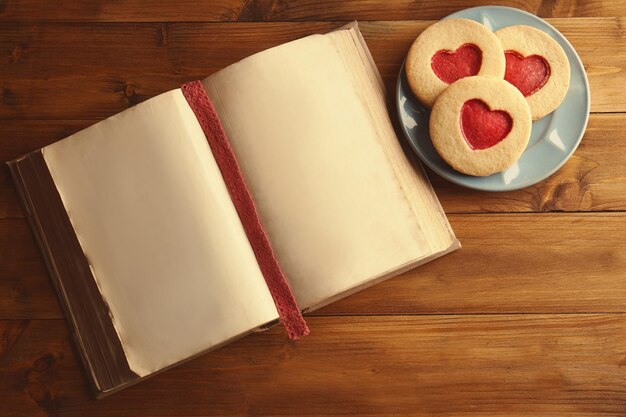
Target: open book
[{"x": 143, "y": 240}]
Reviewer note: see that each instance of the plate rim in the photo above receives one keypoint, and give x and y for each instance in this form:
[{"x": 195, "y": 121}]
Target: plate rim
[{"x": 527, "y": 183}]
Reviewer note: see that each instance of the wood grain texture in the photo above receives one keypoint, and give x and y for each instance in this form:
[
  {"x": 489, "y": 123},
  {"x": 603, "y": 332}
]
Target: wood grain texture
[
  {"x": 51, "y": 74},
  {"x": 528, "y": 319},
  {"x": 516, "y": 263},
  {"x": 509, "y": 263},
  {"x": 593, "y": 179},
  {"x": 283, "y": 10},
  {"x": 25, "y": 287},
  {"x": 545, "y": 365}
]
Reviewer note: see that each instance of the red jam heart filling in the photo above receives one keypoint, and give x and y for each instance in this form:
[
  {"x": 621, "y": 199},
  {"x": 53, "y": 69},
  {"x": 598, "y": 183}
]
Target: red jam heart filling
[
  {"x": 450, "y": 66},
  {"x": 483, "y": 127},
  {"x": 528, "y": 74}
]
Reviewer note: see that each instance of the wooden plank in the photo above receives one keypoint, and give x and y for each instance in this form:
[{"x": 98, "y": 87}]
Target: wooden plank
[
  {"x": 294, "y": 10},
  {"x": 593, "y": 179},
  {"x": 87, "y": 71},
  {"x": 548, "y": 365},
  {"x": 516, "y": 263}
]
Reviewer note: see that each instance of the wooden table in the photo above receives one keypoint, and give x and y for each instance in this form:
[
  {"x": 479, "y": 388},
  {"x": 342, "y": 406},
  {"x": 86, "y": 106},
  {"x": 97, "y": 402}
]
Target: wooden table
[{"x": 527, "y": 319}]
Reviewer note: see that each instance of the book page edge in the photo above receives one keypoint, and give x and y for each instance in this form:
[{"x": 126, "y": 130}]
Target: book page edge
[{"x": 383, "y": 277}]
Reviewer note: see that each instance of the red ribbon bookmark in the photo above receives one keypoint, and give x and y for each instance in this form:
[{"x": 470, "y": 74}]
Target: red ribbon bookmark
[{"x": 288, "y": 310}]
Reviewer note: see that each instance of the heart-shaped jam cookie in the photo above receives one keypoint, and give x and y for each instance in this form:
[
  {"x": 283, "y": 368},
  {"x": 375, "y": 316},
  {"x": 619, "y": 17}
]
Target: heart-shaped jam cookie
[
  {"x": 483, "y": 127},
  {"x": 537, "y": 65},
  {"x": 528, "y": 74},
  {"x": 480, "y": 125},
  {"x": 447, "y": 52},
  {"x": 451, "y": 66}
]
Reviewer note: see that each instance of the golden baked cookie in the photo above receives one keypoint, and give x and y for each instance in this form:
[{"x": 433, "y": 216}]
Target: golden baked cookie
[
  {"x": 448, "y": 51},
  {"x": 480, "y": 125},
  {"x": 537, "y": 65}
]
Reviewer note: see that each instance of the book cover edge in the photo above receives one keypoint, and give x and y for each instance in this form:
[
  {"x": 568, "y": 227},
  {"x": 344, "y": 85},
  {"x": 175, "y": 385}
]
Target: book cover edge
[{"x": 103, "y": 379}]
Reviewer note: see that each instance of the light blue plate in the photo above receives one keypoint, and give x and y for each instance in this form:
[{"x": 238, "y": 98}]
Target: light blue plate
[{"x": 553, "y": 139}]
